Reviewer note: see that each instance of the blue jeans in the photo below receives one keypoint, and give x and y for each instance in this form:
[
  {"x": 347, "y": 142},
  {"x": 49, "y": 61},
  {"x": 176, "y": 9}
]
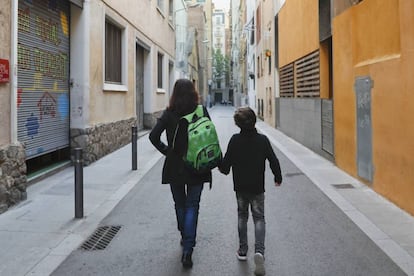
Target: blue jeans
[
  {"x": 256, "y": 203},
  {"x": 187, "y": 204}
]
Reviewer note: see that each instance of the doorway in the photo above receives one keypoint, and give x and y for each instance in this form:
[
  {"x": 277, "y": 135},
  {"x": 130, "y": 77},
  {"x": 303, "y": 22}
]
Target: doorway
[{"x": 139, "y": 85}]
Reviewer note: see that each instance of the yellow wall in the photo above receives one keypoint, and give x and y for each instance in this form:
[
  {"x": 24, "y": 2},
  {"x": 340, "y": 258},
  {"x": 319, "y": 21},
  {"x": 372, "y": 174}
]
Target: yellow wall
[
  {"x": 298, "y": 30},
  {"x": 375, "y": 38},
  {"x": 299, "y": 36}
]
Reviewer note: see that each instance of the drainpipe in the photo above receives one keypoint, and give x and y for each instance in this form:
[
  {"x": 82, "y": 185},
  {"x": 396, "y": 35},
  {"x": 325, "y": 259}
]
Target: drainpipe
[{"x": 13, "y": 71}]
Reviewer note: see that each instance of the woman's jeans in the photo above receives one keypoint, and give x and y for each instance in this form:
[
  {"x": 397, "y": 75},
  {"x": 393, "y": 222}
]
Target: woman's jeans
[
  {"x": 256, "y": 203},
  {"x": 187, "y": 203}
]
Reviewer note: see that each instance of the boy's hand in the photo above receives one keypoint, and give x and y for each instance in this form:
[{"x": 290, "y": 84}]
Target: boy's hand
[{"x": 277, "y": 184}]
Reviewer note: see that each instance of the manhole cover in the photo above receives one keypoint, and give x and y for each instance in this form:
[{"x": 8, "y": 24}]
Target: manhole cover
[
  {"x": 101, "y": 238},
  {"x": 343, "y": 186}
]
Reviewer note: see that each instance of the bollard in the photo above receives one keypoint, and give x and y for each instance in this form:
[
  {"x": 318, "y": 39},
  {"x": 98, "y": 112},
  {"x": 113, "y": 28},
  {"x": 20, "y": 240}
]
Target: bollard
[
  {"x": 78, "y": 183},
  {"x": 134, "y": 147}
]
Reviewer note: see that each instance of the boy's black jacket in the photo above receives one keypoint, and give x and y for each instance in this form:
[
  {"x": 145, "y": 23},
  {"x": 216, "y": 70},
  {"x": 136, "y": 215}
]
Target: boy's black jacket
[{"x": 246, "y": 154}]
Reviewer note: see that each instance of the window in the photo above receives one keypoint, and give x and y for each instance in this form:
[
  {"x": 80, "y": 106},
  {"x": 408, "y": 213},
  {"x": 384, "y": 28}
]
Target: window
[
  {"x": 160, "y": 4},
  {"x": 258, "y": 24},
  {"x": 159, "y": 68},
  {"x": 269, "y": 59},
  {"x": 171, "y": 10},
  {"x": 252, "y": 32},
  {"x": 113, "y": 53},
  {"x": 218, "y": 20}
]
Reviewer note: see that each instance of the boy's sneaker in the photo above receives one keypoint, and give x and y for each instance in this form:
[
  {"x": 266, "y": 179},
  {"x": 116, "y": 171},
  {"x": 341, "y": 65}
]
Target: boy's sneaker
[
  {"x": 259, "y": 261},
  {"x": 241, "y": 255}
]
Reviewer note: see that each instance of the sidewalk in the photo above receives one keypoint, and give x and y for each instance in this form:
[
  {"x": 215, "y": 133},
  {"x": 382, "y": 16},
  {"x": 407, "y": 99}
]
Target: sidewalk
[{"x": 39, "y": 233}]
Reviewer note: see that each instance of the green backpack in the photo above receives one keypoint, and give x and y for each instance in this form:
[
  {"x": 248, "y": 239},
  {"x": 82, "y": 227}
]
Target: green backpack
[{"x": 203, "y": 150}]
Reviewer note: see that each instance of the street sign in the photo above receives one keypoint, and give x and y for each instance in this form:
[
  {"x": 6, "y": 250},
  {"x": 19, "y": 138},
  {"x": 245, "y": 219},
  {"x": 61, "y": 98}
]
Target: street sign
[{"x": 4, "y": 70}]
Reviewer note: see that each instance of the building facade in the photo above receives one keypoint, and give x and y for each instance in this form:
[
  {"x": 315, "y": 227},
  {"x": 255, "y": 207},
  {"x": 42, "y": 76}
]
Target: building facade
[
  {"x": 82, "y": 73},
  {"x": 338, "y": 73},
  {"x": 373, "y": 43},
  {"x": 220, "y": 92},
  {"x": 249, "y": 31},
  {"x": 265, "y": 57},
  {"x": 304, "y": 106}
]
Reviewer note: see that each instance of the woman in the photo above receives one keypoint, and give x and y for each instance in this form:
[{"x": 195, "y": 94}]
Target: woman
[{"x": 186, "y": 187}]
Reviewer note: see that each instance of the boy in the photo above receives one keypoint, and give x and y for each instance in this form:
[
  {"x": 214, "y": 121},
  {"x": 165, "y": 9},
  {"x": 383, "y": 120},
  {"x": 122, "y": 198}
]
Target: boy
[{"x": 246, "y": 154}]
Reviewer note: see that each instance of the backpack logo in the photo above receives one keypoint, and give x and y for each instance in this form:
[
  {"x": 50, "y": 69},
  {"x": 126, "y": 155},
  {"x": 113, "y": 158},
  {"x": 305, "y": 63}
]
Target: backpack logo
[{"x": 203, "y": 150}]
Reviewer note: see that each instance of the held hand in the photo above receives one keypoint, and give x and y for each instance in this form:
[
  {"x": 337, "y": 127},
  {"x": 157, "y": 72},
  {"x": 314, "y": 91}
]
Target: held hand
[
  {"x": 277, "y": 184},
  {"x": 220, "y": 170}
]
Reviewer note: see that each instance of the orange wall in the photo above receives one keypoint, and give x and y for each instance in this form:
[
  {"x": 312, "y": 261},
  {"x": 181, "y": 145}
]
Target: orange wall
[
  {"x": 375, "y": 38},
  {"x": 298, "y": 30}
]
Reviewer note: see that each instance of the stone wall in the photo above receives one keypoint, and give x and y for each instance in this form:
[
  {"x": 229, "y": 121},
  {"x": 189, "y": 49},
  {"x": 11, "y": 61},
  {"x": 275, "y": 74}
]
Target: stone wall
[
  {"x": 101, "y": 139},
  {"x": 13, "y": 179}
]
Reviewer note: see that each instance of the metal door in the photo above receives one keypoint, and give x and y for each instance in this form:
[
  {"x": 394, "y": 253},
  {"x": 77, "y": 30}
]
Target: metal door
[
  {"x": 43, "y": 72},
  {"x": 363, "y": 87}
]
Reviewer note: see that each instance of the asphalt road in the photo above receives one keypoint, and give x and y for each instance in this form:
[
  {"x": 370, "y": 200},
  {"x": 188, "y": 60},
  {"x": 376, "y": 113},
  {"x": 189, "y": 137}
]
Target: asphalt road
[{"x": 306, "y": 234}]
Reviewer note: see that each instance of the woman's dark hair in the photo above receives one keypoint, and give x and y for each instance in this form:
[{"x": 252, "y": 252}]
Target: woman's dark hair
[
  {"x": 245, "y": 118},
  {"x": 184, "y": 98}
]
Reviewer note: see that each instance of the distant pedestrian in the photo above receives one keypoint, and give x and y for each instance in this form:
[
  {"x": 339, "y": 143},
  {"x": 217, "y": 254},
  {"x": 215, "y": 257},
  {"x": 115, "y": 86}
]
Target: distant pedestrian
[
  {"x": 246, "y": 154},
  {"x": 186, "y": 187}
]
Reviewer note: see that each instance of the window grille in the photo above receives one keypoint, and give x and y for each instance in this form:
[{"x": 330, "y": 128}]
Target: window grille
[
  {"x": 301, "y": 78},
  {"x": 307, "y": 76},
  {"x": 287, "y": 81}
]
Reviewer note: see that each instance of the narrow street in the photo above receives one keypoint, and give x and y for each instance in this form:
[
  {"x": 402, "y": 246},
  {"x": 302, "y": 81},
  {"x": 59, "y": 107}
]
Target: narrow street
[{"x": 307, "y": 234}]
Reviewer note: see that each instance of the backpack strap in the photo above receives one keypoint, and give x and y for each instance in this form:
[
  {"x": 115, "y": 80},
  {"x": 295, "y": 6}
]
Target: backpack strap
[{"x": 199, "y": 112}]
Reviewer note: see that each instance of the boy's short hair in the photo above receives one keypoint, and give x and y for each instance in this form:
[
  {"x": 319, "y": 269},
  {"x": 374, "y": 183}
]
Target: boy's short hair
[{"x": 245, "y": 118}]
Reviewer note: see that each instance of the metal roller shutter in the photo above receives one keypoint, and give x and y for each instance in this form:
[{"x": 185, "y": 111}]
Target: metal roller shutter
[{"x": 43, "y": 73}]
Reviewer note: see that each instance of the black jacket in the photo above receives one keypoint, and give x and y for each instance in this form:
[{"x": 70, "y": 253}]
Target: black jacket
[
  {"x": 174, "y": 170},
  {"x": 246, "y": 154}
]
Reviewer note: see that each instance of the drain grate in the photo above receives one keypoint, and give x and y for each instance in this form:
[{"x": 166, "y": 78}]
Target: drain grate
[
  {"x": 294, "y": 174},
  {"x": 101, "y": 238},
  {"x": 343, "y": 186}
]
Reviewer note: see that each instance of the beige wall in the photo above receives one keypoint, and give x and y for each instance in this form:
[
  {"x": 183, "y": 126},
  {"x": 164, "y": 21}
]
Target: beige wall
[
  {"x": 145, "y": 16},
  {"x": 107, "y": 106},
  {"x": 265, "y": 83},
  {"x": 5, "y": 88},
  {"x": 268, "y": 43},
  {"x": 376, "y": 39}
]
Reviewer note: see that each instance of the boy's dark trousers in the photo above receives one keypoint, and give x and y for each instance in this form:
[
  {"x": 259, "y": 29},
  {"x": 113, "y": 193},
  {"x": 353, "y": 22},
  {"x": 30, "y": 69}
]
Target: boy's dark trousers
[{"x": 256, "y": 203}]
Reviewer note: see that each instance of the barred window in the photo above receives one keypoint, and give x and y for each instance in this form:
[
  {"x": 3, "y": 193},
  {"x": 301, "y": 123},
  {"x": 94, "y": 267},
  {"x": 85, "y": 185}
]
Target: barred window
[{"x": 113, "y": 53}]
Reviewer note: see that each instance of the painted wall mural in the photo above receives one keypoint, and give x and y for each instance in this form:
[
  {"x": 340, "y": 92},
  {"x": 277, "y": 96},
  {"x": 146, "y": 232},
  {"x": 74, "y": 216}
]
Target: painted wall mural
[{"x": 43, "y": 73}]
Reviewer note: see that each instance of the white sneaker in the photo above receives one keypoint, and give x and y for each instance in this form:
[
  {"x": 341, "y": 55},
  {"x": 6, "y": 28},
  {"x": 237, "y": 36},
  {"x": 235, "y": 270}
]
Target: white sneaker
[
  {"x": 241, "y": 256},
  {"x": 259, "y": 261}
]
